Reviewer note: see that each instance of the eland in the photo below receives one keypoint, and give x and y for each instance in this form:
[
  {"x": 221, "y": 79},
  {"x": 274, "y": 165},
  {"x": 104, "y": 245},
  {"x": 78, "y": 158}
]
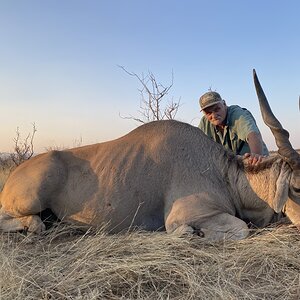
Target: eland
[{"x": 164, "y": 175}]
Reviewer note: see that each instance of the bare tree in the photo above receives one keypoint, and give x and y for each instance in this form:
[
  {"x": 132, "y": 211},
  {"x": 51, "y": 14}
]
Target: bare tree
[
  {"x": 23, "y": 149},
  {"x": 153, "y": 106}
]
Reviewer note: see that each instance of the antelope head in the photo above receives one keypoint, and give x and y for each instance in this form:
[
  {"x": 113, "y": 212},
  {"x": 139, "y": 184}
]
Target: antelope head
[{"x": 288, "y": 182}]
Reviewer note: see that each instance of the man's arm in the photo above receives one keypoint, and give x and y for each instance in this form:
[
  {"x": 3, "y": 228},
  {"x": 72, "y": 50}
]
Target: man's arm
[{"x": 255, "y": 143}]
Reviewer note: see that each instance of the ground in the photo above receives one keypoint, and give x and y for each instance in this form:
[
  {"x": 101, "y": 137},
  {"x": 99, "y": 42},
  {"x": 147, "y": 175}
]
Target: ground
[{"x": 72, "y": 263}]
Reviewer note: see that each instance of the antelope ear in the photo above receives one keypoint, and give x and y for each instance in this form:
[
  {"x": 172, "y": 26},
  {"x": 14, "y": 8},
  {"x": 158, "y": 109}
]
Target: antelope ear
[{"x": 282, "y": 187}]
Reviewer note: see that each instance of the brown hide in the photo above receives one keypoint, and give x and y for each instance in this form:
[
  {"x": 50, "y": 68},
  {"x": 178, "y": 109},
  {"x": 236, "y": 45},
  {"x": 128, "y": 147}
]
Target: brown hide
[{"x": 140, "y": 179}]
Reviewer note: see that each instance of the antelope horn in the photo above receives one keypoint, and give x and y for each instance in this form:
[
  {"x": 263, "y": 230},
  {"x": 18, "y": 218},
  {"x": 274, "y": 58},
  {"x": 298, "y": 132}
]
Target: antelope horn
[{"x": 281, "y": 135}]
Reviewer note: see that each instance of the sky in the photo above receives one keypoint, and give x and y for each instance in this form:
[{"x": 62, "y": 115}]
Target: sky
[{"x": 60, "y": 63}]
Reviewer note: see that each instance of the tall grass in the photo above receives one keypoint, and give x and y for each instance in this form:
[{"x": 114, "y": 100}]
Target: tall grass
[
  {"x": 67, "y": 263},
  {"x": 4, "y": 173}
]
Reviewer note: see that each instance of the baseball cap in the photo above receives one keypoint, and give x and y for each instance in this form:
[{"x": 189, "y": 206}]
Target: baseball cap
[{"x": 209, "y": 99}]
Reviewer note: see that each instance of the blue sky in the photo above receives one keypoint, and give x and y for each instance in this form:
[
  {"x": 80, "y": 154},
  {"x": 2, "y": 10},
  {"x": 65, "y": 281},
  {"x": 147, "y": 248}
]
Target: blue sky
[{"x": 59, "y": 63}]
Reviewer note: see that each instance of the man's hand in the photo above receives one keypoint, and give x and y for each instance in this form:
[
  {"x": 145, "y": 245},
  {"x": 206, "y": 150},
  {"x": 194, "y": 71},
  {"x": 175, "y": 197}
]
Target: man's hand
[
  {"x": 256, "y": 147},
  {"x": 253, "y": 158}
]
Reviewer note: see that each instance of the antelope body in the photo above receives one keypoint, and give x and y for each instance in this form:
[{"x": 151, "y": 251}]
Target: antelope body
[{"x": 162, "y": 175}]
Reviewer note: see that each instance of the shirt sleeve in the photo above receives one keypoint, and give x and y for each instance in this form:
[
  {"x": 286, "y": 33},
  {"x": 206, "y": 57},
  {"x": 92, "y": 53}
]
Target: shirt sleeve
[
  {"x": 202, "y": 124},
  {"x": 244, "y": 123}
]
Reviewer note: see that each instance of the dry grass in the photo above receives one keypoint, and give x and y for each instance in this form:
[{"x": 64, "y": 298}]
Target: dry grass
[
  {"x": 3, "y": 176},
  {"x": 6, "y": 167},
  {"x": 67, "y": 263}
]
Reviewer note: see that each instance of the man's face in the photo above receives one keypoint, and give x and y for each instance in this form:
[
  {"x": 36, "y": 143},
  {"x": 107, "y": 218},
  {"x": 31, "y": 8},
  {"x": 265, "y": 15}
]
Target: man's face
[{"x": 216, "y": 114}]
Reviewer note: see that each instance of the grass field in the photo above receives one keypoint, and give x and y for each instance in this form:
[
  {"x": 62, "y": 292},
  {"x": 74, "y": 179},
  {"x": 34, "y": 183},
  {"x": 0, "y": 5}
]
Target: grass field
[{"x": 68, "y": 263}]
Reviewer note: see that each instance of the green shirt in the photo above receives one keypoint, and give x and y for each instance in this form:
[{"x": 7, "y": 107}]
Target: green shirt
[{"x": 239, "y": 123}]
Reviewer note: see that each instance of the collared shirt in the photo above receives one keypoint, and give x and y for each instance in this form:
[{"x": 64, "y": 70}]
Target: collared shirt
[{"x": 239, "y": 123}]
